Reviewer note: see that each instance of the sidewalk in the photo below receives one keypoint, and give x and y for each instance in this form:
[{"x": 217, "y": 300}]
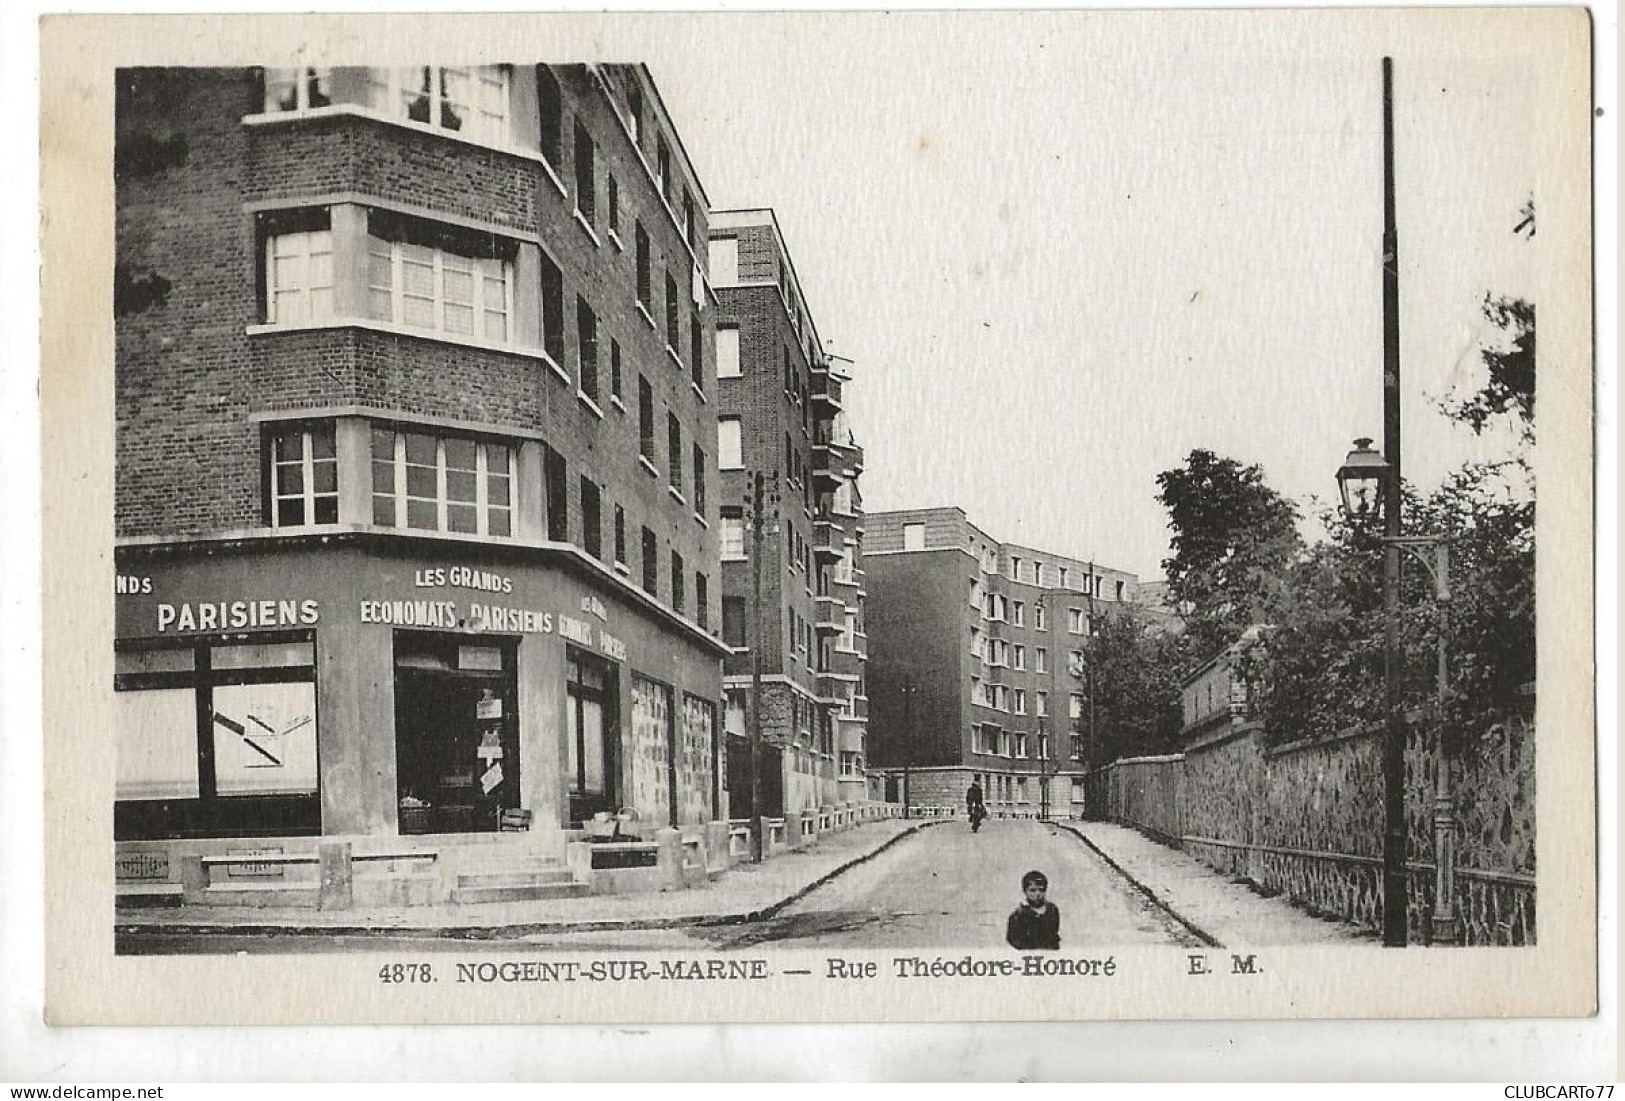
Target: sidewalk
[
  {"x": 1216, "y": 908},
  {"x": 747, "y": 892}
]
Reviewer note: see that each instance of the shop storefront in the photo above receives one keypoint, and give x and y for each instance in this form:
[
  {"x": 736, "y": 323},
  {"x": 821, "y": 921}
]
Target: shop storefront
[{"x": 414, "y": 689}]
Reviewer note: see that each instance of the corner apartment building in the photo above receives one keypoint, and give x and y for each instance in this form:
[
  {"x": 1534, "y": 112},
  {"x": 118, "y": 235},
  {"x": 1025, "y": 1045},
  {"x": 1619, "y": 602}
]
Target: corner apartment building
[
  {"x": 416, "y": 508},
  {"x": 780, "y": 414},
  {"x": 976, "y": 662}
]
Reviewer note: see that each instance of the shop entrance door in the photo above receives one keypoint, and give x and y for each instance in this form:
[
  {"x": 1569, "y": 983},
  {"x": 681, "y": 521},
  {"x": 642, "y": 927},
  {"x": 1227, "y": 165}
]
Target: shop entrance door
[
  {"x": 456, "y": 732},
  {"x": 591, "y": 759}
]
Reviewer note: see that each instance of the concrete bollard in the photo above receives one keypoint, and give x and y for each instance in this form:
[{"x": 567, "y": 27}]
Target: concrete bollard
[
  {"x": 337, "y": 877},
  {"x": 578, "y": 859},
  {"x": 716, "y": 846},
  {"x": 669, "y": 859},
  {"x": 792, "y": 831},
  {"x": 194, "y": 880}
]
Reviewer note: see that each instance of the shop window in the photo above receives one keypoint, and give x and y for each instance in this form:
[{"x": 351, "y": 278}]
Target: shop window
[
  {"x": 297, "y": 89},
  {"x": 304, "y": 476},
  {"x": 217, "y": 740},
  {"x": 591, "y": 745},
  {"x": 592, "y": 534},
  {"x": 651, "y": 750},
  {"x": 434, "y": 483},
  {"x": 473, "y": 102},
  {"x": 443, "y": 280}
]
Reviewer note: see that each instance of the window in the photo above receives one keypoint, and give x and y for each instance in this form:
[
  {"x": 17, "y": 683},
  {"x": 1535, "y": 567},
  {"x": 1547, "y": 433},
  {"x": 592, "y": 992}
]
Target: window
[
  {"x": 587, "y": 349},
  {"x": 1015, "y": 567},
  {"x": 1020, "y": 659},
  {"x": 1075, "y": 706},
  {"x": 678, "y": 578},
  {"x": 696, "y": 362},
  {"x": 1038, "y": 574},
  {"x": 702, "y": 600},
  {"x": 1038, "y": 618},
  {"x": 1119, "y": 590},
  {"x": 645, "y": 268},
  {"x": 297, "y": 89},
  {"x": 634, "y": 109},
  {"x": 620, "y": 536},
  {"x": 790, "y": 389},
  {"x": 674, "y": 452},
  {"x": 699, "y": 481},
  {"x": 424, "y": 278},
  {"x": 1041, "y": 702},
  {"x": 447, "y": 483},
  {"x": 1019, "y": 613},
  {"x": 1020, "y": 697},
  {"x": 733, "y": 621},
  {"x": 673, "y": 315},
  {"x": 724, "y": 260},
  {"x": 615, "y": 390},
  {"x": 613, "y": 188},
  {"x": 651, "y": 564},
  {"x": 592, "y": 533},
  {"x": 552, "y": 311},
  {"x": 1074, "y": 621},
  {"x": 304, "y": 477},
  {"x": 646, "y": 420},
  {"x": 663, "y": 167},
  {"x": 1063, "y": 576},
  {"x": 690, "y": 229},
  {"x": 202, "y": 725},
  {"x": 586, "y": 178},
  {"x": 471, "y": 101},
  {"x": 555, "y": 477},
  {"x": 1041, "y": 660},
  {"x": 299, "y": 274},
  {"x": 913, "y": 536},
  {"x": 728, "y": 353},
  {"x": 729, "y": 444},
  {"x": 733, "y": 533},
  {"x": 551, "y": 110}
]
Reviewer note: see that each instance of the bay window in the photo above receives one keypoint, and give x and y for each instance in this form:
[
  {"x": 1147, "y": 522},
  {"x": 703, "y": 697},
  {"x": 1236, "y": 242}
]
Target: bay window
[
  {"x": 303, "y": 477},
  {"x": 435, "y": 483},
  {"x": 298, "y": 266},
  {"x": 474, "y": 102},
  {"x": 297, "y": 89},
  {"x": 426, "y": 278}
]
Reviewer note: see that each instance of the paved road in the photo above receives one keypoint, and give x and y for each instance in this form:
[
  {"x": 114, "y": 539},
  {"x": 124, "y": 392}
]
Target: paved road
[
  {"x": 947, "y": 888},
  {"x": 940, "y": 888}
]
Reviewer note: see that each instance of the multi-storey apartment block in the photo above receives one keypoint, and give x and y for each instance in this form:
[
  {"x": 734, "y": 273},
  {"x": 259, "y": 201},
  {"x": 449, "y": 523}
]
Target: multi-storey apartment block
[
  {"x": 417, "y": 501},
  {"x": 977, "y": 665},
  {"x": 780, "y": 415}
]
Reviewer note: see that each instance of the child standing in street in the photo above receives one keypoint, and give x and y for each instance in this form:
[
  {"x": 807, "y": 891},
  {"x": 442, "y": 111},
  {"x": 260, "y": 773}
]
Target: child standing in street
[{"x": 1036, "y": 923}]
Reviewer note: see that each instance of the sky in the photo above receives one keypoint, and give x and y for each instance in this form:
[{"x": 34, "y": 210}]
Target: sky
[{"x": 1065, "y": 251}]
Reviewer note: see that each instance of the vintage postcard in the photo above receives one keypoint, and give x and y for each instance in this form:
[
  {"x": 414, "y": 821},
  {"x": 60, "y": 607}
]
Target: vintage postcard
[{"x": 818, "y": 517}]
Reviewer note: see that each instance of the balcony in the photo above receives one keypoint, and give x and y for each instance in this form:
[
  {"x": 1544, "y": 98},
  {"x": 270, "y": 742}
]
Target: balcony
[
  {"x": 829, "y": 541},
  {"x": 829, "y": 615},
  {"x": 826, "y": 391}
]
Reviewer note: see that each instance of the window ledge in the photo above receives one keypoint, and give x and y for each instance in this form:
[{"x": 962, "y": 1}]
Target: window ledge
[
  {"x": 617, "y": 403},
  {"x": 564, "y": 376},
  {"x": 694, "y": 386},
  {"x": 363, "y": 111},
  {"x": 740, "y": 466},
  {"x": 394, "y": 329},
  {"x": 623, "y": 569},
  {"x": 699, "y": 519},
  {"x": 737, "y": 374},
  {"x": 643, "y": 461},
  {"x": 643, "y": 311},
  {"x": 736, "y": 558},
  {"x": 586, "y": 227},
  {"x": 671, "y": 354},
  {"x": 586, "y": 399},
  {"x": 616, "y": 238}
]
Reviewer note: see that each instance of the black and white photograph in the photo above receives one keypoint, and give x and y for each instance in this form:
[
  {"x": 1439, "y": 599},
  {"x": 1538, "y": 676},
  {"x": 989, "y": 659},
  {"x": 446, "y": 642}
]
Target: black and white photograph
[{"x": 627, "y": 512}]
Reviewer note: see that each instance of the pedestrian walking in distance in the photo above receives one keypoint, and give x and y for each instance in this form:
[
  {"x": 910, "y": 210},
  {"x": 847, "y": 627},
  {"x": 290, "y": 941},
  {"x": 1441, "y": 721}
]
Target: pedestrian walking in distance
[
  {"x": 1036, "y": 923},
  {"x": 975, "y": 809}
]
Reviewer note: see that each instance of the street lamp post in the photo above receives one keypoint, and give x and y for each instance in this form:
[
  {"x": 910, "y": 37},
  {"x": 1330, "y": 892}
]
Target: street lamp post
[{"x": 1364, "y": 483}]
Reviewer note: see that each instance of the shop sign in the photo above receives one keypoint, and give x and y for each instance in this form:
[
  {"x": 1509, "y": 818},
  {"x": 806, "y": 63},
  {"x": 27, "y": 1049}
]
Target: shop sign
[
  {"x": 462, "y": 577},
  {"x": 237, "y": 615},
  {"x": 491, "y": 778},
  {"x": 488, "y": 708}
]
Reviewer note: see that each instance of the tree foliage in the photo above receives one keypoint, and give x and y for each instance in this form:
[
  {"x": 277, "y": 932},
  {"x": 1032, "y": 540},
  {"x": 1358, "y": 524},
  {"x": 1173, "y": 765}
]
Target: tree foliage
[
  {"x": 1136, "y": 672},
  {"x": 1509, "y": 364},
  {"x": 1234, "y": 538}
]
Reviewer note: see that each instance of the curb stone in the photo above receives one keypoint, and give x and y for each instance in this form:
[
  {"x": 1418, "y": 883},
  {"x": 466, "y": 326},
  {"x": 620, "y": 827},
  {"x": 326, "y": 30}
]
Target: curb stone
[
  {"x": 1162, "y": 904},
  {"x": 520, "y": 929}
]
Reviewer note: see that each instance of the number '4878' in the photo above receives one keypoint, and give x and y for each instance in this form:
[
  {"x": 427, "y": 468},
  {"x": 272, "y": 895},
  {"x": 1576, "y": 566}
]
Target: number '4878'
[{"x": 405, "y": 972}]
